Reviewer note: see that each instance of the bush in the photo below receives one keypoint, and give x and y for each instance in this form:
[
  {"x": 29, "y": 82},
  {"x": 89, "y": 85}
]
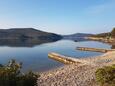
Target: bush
[
  {"x": 106, "y": 76},
  {"x": 10, "y": 75},
  {"x": 113, "y": 32}
]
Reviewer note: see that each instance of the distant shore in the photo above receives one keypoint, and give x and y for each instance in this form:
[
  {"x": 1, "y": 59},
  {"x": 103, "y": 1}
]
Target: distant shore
[
  {"x": 102, "y": 39},
  {"x": 76, "y": 74}
]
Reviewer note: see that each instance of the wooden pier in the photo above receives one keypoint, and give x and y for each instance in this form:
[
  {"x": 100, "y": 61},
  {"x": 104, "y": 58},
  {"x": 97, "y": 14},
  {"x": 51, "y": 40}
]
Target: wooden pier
[
  {"x": 94, "y": 49},
  {"x": 66, "y": 59}
]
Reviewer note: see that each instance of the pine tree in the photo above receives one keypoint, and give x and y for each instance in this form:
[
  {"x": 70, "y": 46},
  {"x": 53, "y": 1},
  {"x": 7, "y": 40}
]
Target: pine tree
[{"x": 113, "y": 32}]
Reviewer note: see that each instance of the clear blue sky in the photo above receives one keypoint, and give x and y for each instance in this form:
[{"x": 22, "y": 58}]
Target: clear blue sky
[{"x": 59, "y": 16}]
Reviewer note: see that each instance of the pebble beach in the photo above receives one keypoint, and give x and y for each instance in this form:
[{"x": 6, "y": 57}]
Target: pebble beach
[{"x": 77, "y": 74}]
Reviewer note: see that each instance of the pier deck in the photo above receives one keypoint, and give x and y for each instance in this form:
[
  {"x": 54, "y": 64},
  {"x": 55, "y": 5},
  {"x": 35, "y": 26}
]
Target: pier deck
[
  {"x": 94, "y": 49},
  {"x": 66, "y": 59}
]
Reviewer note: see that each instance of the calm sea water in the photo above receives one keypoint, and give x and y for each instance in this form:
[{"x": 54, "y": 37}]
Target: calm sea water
[{"x": 36, "y": 59}]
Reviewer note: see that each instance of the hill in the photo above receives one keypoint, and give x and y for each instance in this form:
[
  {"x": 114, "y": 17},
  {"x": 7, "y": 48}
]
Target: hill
[
  {"x": 77, "y": 36},
  {"x": 26, "y": 37},
  {"x": 27, "y": 33},
  {"x": 108, "y": 34}
]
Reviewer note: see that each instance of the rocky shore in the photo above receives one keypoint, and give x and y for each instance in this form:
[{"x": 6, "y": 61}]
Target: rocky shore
[{"x": 76, "y": 74}]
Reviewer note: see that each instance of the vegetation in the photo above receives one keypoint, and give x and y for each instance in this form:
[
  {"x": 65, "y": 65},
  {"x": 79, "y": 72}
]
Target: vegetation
[
  {"x": 101, "y": 35},
  {"x": 28, "y": 33},
  {"x": 113, "y": 32},
  {"x": 109, "y": 34},
  {"x": 11, "y": 75},
  {"x": 106, "y": 76},
  {"x": 26, "y": 37}
]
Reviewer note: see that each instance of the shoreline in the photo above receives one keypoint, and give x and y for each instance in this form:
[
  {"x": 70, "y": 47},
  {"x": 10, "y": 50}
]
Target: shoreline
[
  {"x": 77, "y": 74},
  {"x": 102, "y": 39},
  {"x": 63, "y": 65}
]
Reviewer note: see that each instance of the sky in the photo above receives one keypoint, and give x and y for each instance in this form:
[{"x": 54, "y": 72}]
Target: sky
[{"x": 59, "y": 16}]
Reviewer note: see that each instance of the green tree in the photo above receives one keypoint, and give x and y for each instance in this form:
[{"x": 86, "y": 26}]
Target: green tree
[
  {"x": 113, "y": 32},
  {"x": 10, "y": 75}
]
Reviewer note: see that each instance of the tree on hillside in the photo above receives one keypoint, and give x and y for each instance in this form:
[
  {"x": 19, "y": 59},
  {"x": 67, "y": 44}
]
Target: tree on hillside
[{"x": 113, "y": 32}]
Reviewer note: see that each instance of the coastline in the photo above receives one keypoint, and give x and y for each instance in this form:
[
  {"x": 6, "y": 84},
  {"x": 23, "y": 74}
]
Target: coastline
[
  {"x": 76, "y": 74},
  {"x": 102, "y": 39}
]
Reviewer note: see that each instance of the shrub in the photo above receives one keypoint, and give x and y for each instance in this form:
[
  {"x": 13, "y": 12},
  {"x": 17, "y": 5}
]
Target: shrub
[
  {"x": 10, "y": 75},
  {"x": 113, "y": 32},
  {"x": 106, "y": 76}
]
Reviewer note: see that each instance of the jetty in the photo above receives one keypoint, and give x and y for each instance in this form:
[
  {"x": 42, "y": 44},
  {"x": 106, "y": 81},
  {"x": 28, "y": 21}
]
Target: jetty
[
  {"x": 76, "y": 74},
  {"x": 95, "y": 49},
  {"x": 66, "y": 59}
]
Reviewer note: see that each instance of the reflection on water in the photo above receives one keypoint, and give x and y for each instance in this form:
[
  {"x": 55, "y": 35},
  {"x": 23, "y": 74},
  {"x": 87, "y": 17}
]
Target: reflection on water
[
  {"x": 23, "y": 42},
  {"x": 35, "y": 58}
]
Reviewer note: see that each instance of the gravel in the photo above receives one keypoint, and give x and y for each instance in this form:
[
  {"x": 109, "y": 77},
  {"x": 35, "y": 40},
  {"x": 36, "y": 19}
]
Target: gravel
[{"x": 76, "y": 74}]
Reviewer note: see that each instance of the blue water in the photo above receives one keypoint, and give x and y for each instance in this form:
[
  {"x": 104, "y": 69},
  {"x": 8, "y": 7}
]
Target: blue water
[{"x": 36, "y": 59}]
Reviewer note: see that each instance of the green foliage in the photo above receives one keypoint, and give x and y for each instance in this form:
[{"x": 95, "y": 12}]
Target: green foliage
[
  {"x": 106, "y": 76},
  {"x": 102, "y": 35},
  {"x": 10, "y": 75},
  {"x": 109, "y": 34},
  {"x": 113, "y": 32}
]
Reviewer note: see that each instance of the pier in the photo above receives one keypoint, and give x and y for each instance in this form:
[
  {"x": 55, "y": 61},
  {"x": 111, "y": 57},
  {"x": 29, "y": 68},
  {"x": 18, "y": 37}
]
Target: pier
[
  {"x": 66, "y": 59},
  {"x": 94, "y": 49}
]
